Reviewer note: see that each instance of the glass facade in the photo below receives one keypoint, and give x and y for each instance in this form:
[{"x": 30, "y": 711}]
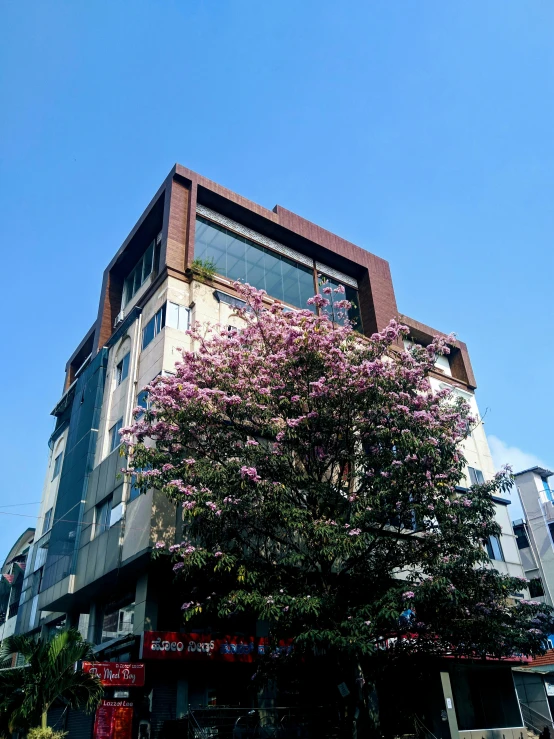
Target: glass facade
[
  {"x": 139, "y": 274},
  {"x": 350, "y": 294},
  {"x": 239, "y": 258}
]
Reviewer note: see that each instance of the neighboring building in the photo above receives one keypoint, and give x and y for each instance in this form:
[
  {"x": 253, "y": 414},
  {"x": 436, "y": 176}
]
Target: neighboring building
[
  {"x": 11, "y": 583},
  {"x": 91, "y": 566},
  {"x": 535, "y": 533}
]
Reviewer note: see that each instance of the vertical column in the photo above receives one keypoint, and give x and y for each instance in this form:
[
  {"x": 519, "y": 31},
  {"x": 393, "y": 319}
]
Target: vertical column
[{"x": 449, "y": 703}]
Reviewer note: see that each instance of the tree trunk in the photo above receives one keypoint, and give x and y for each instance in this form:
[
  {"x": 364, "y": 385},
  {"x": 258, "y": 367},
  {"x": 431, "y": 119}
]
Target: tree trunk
[{"x": 44, "y": 722}]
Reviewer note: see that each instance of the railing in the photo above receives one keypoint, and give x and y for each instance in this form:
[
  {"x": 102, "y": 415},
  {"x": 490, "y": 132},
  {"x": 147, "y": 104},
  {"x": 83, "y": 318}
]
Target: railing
[
  {"x": 261, "y": 723},
  {"x": 535, "y": 720}
]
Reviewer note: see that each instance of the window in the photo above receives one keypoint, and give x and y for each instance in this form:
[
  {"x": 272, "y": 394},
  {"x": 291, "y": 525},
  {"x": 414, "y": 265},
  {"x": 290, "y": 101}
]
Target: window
[
  {"x": 143, "y": 401},
  {"x": 57, "y": 466},
  {"x": 551, "y": 529},
  {"x": 350, "y": 294},
  {"x": 546, "y": 488},
  {"x": 135, "y": 490},
  {"x": 239, "y": 258},
  {"x": 122, "y": 369},
  {"x": 521, "y": 537},
  {"x": 536, "y": 589},
  {"x": 118, "y": 621},
  {"x": 177, "y": 316},
  {"x": 139, "y": 274},
  {"x": 47, "y": 521},
  {"x": 475, "y": 476},
  {"x": 116, "y": 514},
  {"x": 153, "y": 327},
  {"x": 102, "y": 514},
  {"x": 115, "y": 439},
  {"x": 494, "y": 548}
]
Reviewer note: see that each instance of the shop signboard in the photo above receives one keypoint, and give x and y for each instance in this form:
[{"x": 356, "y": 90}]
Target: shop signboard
[
  {"x": 117, "y": 673},
  {"x": 171, "y": 645},
  {"x": 113, "y": 720}
]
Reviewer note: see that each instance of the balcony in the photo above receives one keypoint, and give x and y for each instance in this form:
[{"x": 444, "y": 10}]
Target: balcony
[{"x": 12, "y": 610}]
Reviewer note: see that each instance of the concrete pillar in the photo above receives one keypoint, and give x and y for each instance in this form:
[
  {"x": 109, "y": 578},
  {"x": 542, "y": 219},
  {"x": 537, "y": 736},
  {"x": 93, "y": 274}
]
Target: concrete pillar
[{"x": 449, "y": 703}]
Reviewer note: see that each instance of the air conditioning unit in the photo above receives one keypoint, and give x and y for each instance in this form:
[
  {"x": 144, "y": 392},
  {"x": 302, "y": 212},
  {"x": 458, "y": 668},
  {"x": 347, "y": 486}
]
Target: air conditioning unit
[{"x": 119, "y": 318}]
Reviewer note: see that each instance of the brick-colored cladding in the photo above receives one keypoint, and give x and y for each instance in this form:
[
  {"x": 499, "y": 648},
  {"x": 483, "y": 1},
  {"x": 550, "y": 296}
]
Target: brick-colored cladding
[{"x": 175, "y": 206}]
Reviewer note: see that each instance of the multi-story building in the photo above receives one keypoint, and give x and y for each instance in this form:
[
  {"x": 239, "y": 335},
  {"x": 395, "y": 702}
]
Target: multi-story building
[
  {"x": 535, "y": 533},
  {"x": 11, "y": 583},
  {"x": 91, "y": 565}
]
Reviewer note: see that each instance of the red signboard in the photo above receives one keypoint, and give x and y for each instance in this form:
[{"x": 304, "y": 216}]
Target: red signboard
[
  {"x": 117, "y": 673},
  {"x": 114, "y": 720},
  {"x": 200, "y": 647},
  {"x": 172, "y": 645}
]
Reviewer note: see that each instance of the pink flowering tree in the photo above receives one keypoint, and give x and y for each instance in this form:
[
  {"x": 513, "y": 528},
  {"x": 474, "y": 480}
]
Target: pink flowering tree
[{"x": 318, "y": 478}]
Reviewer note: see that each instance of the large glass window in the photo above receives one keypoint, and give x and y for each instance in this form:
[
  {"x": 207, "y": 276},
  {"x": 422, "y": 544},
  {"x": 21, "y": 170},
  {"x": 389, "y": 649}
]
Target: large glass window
[
  {"x": 494, "y": 548},
  {"x": 122, "y": 369},
  {"x": 57, "y": 465},
  {"x": 153, "y": 327},
  {"x": 475, "y": 476},
  {"x": 350, "y": 294},
  {"x": 47, "y": 521},
  {"x": 115, "y": 438},
  {"x": 102, "y": 514},
  {"x": 177, "y": 316},
  {"x": 118, "y": 622},
  {"x": 239, "y": 258},
  {"x": 139, "y": 274}
]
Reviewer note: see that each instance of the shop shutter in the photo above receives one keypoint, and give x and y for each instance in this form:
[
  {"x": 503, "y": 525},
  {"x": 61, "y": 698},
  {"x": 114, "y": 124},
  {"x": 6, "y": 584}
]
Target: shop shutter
[
  {"x": 164, "y": 706},
  {"x": 80, "y": 725}
]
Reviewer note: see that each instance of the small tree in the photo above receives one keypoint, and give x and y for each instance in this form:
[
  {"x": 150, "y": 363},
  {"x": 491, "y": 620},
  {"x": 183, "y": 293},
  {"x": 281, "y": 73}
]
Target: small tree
[
  {"x": 318, "y": 474},
  {"x": 48, "y": 674}
]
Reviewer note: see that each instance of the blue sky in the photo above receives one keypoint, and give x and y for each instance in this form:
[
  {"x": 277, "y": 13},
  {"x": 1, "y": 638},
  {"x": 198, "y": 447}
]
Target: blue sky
[{"x": 420, "y": 130}]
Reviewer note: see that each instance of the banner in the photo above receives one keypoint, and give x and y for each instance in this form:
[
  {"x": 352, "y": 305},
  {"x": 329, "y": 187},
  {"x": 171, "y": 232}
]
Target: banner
[
  {"x": 172, "y": 645},
  {"x": 117, "y": 673},
  {"x": 113, "y": 720}
]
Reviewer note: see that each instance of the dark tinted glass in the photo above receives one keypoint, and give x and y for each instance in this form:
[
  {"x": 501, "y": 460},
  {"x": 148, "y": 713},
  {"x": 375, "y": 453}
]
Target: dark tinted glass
[
  {"x": 238, "y": 258},
  {"x": 350, "y": 294}
]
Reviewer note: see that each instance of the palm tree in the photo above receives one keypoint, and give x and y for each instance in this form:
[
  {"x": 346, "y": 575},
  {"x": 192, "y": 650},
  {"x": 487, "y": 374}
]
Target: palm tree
[{"x": 49, "y": 673}]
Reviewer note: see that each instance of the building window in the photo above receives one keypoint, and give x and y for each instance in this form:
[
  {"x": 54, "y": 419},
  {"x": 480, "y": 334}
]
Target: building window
[
  {"x": 536, "y": 589},
  {"x": 57, "y": 466},
  {"x": 177, "y": 316},
  {"x": 350, "y": 294},
  {"x": 475, "y": 476},
  {"x": 546, "y": 488},
  {"x": 122, "y": 369},
  {"x": 143, "y": 401},
  {"x": 139, "y": 274},
  {"x": 494, "y": 548},
  {"x": 521, "y": 537},
  {"x": 118, "y": 622},
  {"x": 116, "y": 514},
  {"x": 47, "y": 521},
  {"x": 102, "y": 514},
  {"x": 115, "y": 438},
  {"x": 153, "y": 327},
  {"x": 238, "y": 258}
]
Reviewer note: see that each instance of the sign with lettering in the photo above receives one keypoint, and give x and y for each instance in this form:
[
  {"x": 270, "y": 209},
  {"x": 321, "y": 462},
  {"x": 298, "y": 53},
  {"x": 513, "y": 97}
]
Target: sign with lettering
[
  {"x": 171, "y": 645},
  {"x": 113, "y": 720},
  {"x": 117, "y": 673}
]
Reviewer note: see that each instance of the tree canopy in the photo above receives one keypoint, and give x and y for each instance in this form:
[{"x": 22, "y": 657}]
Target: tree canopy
[{"x": 319, "y": 477}]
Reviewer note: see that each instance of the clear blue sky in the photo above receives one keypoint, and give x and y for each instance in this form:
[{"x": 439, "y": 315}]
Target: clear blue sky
[{"x": 422, "y": 130}]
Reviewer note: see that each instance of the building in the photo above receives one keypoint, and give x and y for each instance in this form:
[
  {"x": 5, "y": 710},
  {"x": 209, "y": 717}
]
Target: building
[
  {"x": 91, "y": 564},
  {"x": 535, "y": 533},
  {"x": 11, "y": 583}
]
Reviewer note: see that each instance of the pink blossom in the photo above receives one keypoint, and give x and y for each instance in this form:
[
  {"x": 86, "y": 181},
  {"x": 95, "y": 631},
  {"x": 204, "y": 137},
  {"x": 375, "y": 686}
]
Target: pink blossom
[
  {"x": 249, "y": 473},
  {"x": 408, "y": 595}
]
